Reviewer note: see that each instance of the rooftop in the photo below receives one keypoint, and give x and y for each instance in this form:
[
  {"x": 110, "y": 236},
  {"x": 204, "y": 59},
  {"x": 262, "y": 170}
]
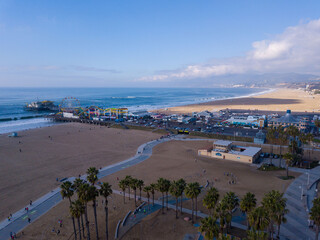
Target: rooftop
[{"x": 222, "y": 143}]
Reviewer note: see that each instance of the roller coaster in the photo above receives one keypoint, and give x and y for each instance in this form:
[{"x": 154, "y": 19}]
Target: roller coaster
[{"x": 72, "y": 105}]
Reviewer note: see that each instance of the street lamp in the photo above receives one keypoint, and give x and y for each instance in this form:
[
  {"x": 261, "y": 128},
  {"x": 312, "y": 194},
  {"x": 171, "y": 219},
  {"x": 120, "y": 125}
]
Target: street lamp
[
  {"x": 308, "y": 179},
  {"x": 301, "y": 191}
]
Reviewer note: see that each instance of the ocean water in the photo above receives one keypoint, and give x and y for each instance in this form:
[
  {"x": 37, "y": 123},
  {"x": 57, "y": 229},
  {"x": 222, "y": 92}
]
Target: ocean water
[{"x": 12, "y": 100}]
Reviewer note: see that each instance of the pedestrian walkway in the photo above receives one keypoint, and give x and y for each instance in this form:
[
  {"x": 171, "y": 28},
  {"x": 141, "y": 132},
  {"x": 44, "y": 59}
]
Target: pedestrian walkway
[{"x": 299, "y": 197}]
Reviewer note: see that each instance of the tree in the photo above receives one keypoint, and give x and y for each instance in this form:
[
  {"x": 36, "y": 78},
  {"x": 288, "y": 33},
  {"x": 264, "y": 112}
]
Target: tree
[
  {"x": 210, "y": 199},
  {"x": 182, "y": 185},
  {"x": 77, "y": 183},
  {"x": 275, "y": 205},
  {"x": 230, "y": 200},
  {"x": 175, "y": 191},
  {"x": 258, "y": 219},
  {"x": 315, "y": 215},
  {"x": 93, "y": 193},
  {"x": 209, "y": 227},
  {"x": 247, "y": 204},
  {"x": 133, "y": 184},
  {"x": 106, "y": 191},
  {"x": 147, "y": 189},
  {"x": 161, "y": 187},
  {"x": 83, "y": 194},
  {"x": 75, "y": 212},
  {"x": 140, "y": 184},
  {"x": 153, "y": 187},
  {"x": 289, "y": 159},
  {"x": 92, "y": 175},
  {"x": 254, "y": 235},
  {"x": 221, "y": 212},
  {"x": 67, "y": 192},
  {"x": 167, "y": 184},
  {"x": 128, "y": 180},
  {"x": 192, "y": 191},
  {"x": 123, "y": 186}
]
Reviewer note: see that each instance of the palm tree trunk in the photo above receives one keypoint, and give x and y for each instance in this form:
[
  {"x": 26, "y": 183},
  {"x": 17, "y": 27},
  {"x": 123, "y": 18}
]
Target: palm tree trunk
[
  {"x": 287, "y": 171},
  {"x": 162, "y": 203},
  {"x": 181, "y": 205},
  {"x": 124, "y": 197},
  {"x": 129, "y": 192},
  {"x": 167, "y": 201},
  {"x": 135, "y": 197},
  {"x": 148, "y": 203},
  {"x": 106, "y": 211},
  {"x": 82, "y": 226},
  {"x": 95, "y": 218},
  {"x": 192, "y": 211},
  {"x": 140, "y": 194},
  {"x": 153, "y": 199},
  {"x": 176, "y": 208},
  {"x": 73, "y": 223},
  {"x": 87, "y": 222},
  {"x": 278, "y": 234},
  {"x": 317, "y": 232},
  {"x": 196, "y": 209},
  {"x": 79, "y": 228},
  {"x": 231, "y": 220}
]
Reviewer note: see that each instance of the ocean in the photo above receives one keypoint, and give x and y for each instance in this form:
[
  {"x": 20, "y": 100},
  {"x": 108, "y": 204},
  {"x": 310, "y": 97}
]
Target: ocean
[{"x": 13, "y": 100}]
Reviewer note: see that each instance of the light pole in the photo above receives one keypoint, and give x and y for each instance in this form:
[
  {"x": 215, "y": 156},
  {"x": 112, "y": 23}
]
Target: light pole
[
  {"x": 301, "y": 191},
  {"x": 308, "y": 179}
]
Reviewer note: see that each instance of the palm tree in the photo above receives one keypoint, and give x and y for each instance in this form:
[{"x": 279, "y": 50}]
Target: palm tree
[
  {"x": 106, "y": 191},
  {"x": 140, "y": 184},
  {"x": 182, "y": 184},
  {"x": 123, "y": 186},
  {"x": 221, "y": 213},
  {"x": 254, "y": 235},
  {"x": 67, "y": 192},
  {"x": 210, "y": 199},
  {"x": 176, "y": 192},
  {"x": 289, "y": 159},
  {"x": 92, "y": 176},
  {"x": 247, "y": 204},
  {"x": 197, "y": 192},
  {"x": 147, "y": 189},
  {"x": 167, "y": 184},
  {"x": 76, "y": 213},
  {"x": 258, "y": 219},
  {"x": 315, "y": 215},
  {"x": 230, "y": 200},
  {"x": 128, "y": 180},
  {"x": 153, "y": 187},
  {"x": 275, "y": 207},
  {"x": 209, "y": 227},
  {"x": 83, "y": 194},
  {"x": 161, "y": 187},
  {"x": 192, "y": 191},
  {"x": 93, "y": 194},
  {"x": 77, "y": 183},
  {"x": 133, "y": 184}
]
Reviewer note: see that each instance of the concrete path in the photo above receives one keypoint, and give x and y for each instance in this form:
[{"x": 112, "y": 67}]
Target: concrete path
[{"x": 299, "y": 196}]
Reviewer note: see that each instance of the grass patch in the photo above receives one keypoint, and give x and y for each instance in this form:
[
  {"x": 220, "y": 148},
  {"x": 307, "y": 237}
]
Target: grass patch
[
  {"x": 286, "y": 178},
  {"x": 270, "y": 167}
]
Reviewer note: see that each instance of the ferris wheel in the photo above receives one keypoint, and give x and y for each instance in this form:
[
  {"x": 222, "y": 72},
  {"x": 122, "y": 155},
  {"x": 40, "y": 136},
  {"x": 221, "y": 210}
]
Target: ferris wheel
[{"x": 69, "y": 104}]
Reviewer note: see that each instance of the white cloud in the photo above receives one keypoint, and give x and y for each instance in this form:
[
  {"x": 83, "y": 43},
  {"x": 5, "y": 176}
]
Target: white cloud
[{"x": 297, "y": 49}]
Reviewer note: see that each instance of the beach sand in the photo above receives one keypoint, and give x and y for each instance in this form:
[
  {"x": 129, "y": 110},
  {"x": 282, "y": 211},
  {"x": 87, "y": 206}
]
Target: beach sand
[
  {"x": 69, "y": 151},
  {"x": 277, "y": 100},
  {"x": 170, "y": 160}
]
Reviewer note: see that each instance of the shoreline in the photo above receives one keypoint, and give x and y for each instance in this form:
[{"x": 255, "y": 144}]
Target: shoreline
[{"x": 272, "y": 100}]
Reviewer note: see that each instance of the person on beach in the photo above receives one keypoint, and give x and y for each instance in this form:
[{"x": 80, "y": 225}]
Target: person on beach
[
  {"x": 29, "y": 220},
  {"x": 30, "y": 202}
]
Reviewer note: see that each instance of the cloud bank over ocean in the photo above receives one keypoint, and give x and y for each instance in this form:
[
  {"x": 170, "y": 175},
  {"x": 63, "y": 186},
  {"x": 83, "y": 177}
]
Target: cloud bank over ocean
[{"x": 297, "y": 50}]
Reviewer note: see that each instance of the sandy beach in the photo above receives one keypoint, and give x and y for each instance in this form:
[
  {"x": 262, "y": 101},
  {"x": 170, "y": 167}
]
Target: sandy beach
[
  {"x": 172, "y": 160},
  {"x": 57, "y": 152},
  {"x": 277, "y": 100}
]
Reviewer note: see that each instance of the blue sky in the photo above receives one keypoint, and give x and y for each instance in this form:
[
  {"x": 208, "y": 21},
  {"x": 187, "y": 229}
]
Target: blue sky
[{"x": 151, "y": 43}]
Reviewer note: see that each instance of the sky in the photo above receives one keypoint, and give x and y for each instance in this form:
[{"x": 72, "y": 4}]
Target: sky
[{"x": 143, "y": 43}]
